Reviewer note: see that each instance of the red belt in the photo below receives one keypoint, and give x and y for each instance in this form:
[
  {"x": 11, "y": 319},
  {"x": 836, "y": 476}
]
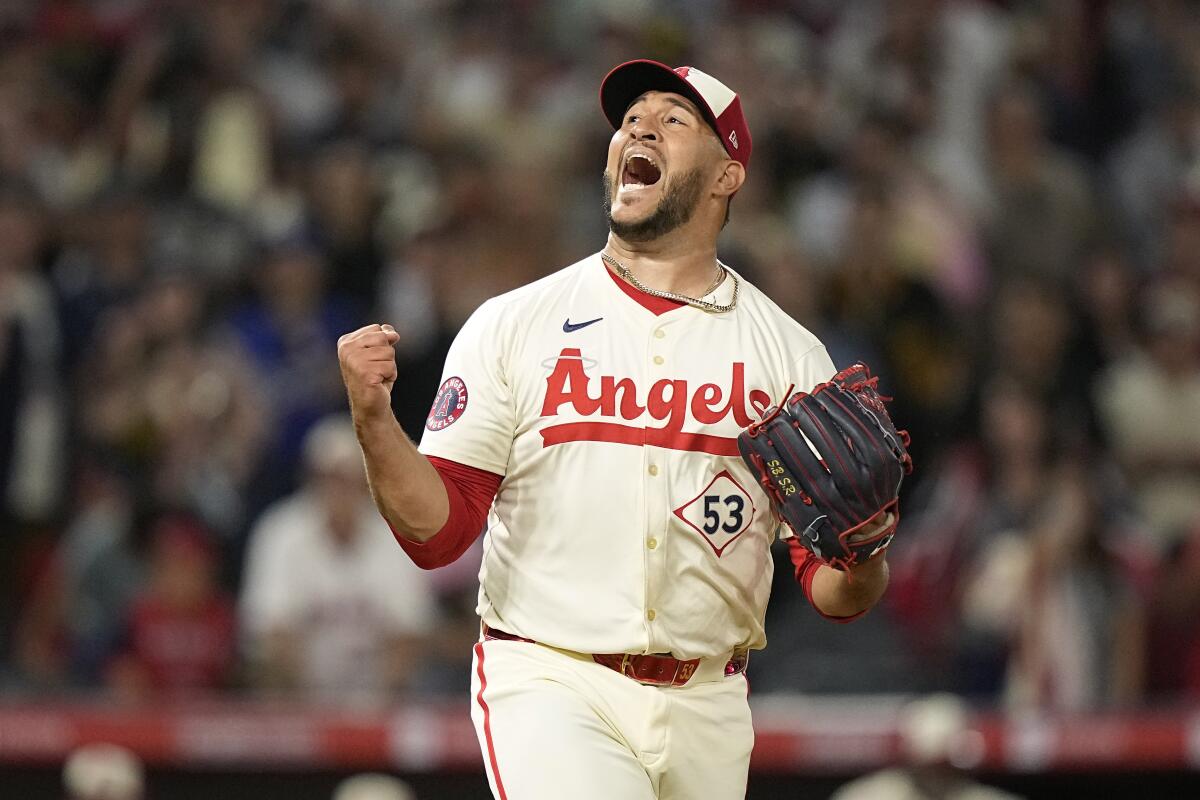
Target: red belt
[{"x": 654, "y": 670}]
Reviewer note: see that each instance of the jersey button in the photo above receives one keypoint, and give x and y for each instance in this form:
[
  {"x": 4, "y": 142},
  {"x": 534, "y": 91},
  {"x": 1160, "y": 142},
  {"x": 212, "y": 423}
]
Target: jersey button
[
  {"x": 660, "y": 333},
  {"x": 650, "y": 615},
  {"x": 653, "y": 469},
  {"x": 658, "y": 359},
  {"x": 652, "y": 543}
]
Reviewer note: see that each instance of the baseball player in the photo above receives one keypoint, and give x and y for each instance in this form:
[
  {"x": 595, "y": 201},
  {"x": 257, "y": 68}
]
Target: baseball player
[{"x": 593, "y": 419}]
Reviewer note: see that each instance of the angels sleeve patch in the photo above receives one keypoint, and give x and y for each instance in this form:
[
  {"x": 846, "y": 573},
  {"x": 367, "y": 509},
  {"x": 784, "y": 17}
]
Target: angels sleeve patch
[{"x": 449, "y": 405}]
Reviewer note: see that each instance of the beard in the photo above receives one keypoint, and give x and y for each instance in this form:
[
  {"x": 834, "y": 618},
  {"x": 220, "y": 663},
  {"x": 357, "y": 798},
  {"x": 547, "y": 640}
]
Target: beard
[{"x": 680, "y": 199}]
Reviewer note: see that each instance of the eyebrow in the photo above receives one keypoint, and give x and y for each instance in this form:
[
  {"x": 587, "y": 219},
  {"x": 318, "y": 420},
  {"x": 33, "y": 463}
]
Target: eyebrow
[{"x": 683, "y": 103}]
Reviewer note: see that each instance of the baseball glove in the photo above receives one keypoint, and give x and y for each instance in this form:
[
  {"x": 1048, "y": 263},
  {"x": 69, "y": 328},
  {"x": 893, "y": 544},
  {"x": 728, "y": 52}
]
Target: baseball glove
[{"x": 832, "y": 462}]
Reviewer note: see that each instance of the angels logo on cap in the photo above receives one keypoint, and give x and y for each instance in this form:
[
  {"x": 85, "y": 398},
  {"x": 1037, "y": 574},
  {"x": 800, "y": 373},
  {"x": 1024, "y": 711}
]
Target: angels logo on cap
[{"x": 719, "y": 104}]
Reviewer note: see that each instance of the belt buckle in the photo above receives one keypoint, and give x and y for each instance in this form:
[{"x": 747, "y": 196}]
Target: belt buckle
[{"x": 625, "y": 659}]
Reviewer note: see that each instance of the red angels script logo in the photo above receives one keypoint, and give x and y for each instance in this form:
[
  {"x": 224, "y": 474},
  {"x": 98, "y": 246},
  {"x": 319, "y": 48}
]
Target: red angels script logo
[
  {"x": 449, "y": 405},
  {"x": 668, "y": 401}
]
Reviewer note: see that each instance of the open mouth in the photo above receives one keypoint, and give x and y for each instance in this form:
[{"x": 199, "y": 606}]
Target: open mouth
[{"x": 639, "y": 171}]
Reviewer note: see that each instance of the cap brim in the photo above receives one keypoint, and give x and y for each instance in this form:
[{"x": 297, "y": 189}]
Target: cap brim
[{"x": 629, "y": 81}]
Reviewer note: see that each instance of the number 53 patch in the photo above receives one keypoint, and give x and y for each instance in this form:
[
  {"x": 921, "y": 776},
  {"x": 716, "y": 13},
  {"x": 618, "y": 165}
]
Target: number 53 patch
[{"x": 721, "y": 513}]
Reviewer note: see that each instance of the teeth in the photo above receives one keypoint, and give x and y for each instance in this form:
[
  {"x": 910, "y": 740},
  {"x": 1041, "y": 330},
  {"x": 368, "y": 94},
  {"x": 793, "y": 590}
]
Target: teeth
[{"x": 628, "y": 160}]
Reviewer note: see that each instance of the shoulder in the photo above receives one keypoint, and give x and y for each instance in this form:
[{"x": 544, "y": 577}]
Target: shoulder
[
  {"x": 500, "y": 323},
  {"x": 285, "y": 524},
  {"x": 513, "y": 303},
  {"x": 765, "y": 313}
]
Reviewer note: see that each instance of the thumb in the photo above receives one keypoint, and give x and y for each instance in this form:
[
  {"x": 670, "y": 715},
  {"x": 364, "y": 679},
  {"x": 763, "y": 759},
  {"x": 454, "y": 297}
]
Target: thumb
[{"x": 392, "y": 335}]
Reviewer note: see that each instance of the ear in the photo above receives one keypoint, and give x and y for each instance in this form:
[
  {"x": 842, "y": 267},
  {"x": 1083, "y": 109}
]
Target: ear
[{"x": 731, "y": 178}]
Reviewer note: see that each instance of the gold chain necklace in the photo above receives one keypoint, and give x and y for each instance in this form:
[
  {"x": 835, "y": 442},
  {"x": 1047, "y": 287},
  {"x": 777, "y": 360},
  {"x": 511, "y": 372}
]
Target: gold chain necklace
[{"x": 705, "y": 305}]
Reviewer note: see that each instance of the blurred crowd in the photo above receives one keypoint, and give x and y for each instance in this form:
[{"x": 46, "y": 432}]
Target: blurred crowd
[
  {"x": 995, "y": 204},
  {"x": 102, "y": 771}
]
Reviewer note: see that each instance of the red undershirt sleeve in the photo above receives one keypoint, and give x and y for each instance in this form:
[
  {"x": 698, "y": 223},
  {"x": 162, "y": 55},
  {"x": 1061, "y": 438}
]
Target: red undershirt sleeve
[
  {"x": 806, "y": 568},
  {"x": 470, "y": 491}
]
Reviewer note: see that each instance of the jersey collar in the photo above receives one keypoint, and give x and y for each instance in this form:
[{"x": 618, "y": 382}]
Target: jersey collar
[{"x": 655, "y": 305}]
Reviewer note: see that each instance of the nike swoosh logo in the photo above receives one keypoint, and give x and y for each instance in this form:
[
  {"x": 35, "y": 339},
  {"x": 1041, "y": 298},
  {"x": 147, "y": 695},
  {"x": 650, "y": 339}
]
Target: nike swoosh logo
[{"x": 569, "y": 327}]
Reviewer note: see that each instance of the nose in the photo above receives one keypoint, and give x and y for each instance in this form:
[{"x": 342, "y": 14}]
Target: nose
[{"x": 641, "y": 133}]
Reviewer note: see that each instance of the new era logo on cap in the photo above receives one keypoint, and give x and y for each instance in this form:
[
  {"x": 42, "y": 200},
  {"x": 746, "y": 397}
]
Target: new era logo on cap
[{"x": 719, "y": 104}]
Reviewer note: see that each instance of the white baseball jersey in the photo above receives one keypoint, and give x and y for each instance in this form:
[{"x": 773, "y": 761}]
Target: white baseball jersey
[
  {"x": 625, "y": 520},
  {"x": 344, "y": 600}
]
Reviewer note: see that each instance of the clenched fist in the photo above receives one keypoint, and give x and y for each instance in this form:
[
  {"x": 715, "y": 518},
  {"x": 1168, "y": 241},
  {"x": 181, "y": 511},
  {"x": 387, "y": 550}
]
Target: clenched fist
[{"x": 368, "y": 361}]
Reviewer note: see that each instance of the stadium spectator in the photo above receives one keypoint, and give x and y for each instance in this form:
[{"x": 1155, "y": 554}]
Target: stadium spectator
[
  {"x": 103, "y": 772},
  {"x": 937, "y": 746},
  {"x": 1081, "y": 632},
  {"x": 931, "y": 65},
  {"x": 1040, "y": 216},
  {"x": 33, "y": 394},
  {"x": 345, "y": 203},
  {"x": 1032, "y": 339},
  {"x": 102, "y": 264},
  {"x": 1173, "y": 652},
  {"x": 79, "y": 599},
  {"x": 1017, "y": 443},
  {"x": 286, "y": 333},
  {"x": 32, "y": 407},
  {"x": 1106, "y": 292},
  {"x": 204, "y": 408},
  {"x": 1149, "y": 404},
  {"x": 373, "y": 786},
  {"x": 1149, "y": 170},
  {"x": 183, "y": 413},
  {"x": 330, "y": 607},
  {"x": 179, "y": 637},
  {"x": 113, "y": 420}
]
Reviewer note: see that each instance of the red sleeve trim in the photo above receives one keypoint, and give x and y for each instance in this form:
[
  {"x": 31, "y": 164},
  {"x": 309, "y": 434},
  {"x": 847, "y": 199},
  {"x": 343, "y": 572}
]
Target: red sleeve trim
[
  {"x": 470, "y": 491},
  {"x": 806, "y": 569}
]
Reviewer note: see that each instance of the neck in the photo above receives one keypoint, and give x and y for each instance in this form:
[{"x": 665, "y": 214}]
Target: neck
[{"x": 683, "y": 265}]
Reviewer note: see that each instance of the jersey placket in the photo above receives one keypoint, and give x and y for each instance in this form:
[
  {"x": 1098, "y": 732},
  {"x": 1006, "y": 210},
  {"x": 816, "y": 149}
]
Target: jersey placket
[{"x": 660, "y": 341}]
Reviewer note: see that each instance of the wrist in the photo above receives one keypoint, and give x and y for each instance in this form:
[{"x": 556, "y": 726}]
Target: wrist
[
  {"x": 871, "y": 569},
  {"x": 863, "y": 584},
  {"x": 371, "y": 420}
]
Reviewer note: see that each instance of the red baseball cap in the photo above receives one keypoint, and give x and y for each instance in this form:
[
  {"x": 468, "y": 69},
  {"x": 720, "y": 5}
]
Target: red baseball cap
[{"x": 719, "y": 104}]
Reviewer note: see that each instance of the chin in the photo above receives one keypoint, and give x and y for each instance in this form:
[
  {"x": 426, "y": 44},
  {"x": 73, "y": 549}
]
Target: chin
[
  {"x": 630, "y": 208},
  {"x": 625, "y": 215}
]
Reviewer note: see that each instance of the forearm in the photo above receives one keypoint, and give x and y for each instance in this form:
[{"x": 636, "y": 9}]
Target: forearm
[
  {"x": 407, "y": 490},
  {"x": 844, "y": 594}
]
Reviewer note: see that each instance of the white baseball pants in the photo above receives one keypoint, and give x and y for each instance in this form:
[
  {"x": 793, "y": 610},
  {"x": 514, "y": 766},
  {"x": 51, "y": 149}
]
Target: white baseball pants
[{"x": 555, "y": 724}]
